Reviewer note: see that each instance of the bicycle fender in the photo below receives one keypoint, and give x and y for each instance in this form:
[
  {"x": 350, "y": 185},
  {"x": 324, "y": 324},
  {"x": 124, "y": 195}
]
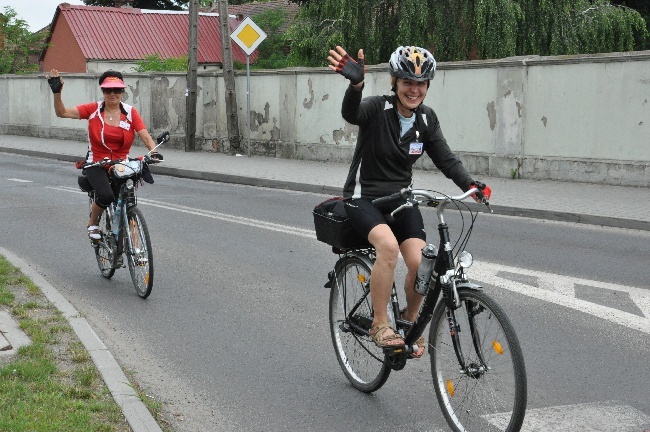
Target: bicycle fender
[
  {"x": 469, "y": 285},
  {"x": 337, "y": 267}
]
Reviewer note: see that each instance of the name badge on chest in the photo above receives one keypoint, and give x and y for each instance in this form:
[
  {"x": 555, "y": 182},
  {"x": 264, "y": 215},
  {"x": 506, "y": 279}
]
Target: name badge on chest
[
  {"x": 415, "y": 148},
  {"x": 125, "y": 125}
]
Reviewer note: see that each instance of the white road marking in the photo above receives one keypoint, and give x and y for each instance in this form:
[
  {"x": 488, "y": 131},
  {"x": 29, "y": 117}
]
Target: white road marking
[
  {"x": 217, "y": 215},
  {"x": 589, "y": 417},
  {"x": 19, "y": 180},
  {"x": 551, "y": 288},
  {"x": 488, "y": 273}
]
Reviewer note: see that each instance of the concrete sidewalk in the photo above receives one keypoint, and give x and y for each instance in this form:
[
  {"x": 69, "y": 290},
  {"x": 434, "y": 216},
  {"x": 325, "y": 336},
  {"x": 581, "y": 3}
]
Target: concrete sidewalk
[{"x": 616, "y": 206}]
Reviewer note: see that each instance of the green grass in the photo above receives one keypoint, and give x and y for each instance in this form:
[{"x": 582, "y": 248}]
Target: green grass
[{"x": 51, "y": 384}]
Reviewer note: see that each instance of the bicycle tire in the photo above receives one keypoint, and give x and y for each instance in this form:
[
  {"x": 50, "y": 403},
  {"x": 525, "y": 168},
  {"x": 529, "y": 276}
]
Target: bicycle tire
[
  {"x": 103, "y": 251},
  {"x": 363, "y": 363},
  {"x": 139, "y": 254},
  {"x": 491, "y": 400}
]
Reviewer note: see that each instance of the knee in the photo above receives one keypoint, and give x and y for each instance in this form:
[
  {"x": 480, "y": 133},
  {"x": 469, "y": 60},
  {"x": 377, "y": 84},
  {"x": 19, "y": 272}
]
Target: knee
[
  {"x": 104, "y": 199},
  {"x": 387, "y": 251}
]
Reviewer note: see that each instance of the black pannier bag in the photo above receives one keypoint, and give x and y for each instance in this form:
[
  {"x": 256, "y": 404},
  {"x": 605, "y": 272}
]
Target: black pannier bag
[{"x": 332, "y": 225}]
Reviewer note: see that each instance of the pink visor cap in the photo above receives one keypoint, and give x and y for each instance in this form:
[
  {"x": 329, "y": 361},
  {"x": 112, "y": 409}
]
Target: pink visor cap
[{"x": 112, "y": 82}]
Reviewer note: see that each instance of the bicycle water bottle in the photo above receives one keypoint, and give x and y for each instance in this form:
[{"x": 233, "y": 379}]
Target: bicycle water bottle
[
  {"x": 429, "y": 253},
  {"x": 116, "y": 216}
]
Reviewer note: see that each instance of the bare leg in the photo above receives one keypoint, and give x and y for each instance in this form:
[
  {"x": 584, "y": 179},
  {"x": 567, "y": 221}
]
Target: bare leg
[
  {"x": 412, "y": 252},
  {"x": 95, "y": 212},
  {"x": 383, "y": 271}
]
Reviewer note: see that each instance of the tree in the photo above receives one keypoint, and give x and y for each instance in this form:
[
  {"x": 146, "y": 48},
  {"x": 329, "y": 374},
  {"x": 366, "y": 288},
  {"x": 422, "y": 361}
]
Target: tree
[
  {"x": 464, "y": 29},
  {"x": 17, "y": 43},
  {"x": 155, "y": 63},
  {"x": 272, "y": 52},
  {"x": 643, "y": 8}
]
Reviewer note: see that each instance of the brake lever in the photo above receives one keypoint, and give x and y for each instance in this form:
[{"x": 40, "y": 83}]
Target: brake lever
[
  {"x": 407, "y": 204},
  {"x": 487, "y": 204}
]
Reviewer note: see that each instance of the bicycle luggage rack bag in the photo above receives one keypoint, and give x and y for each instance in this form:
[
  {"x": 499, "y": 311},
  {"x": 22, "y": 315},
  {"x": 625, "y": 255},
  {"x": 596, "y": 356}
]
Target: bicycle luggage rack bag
[{"x": 332, "y": 226}]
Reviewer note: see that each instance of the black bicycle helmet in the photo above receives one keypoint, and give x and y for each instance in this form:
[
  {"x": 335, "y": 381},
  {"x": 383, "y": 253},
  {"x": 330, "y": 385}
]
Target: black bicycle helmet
[{"x": 413, "y": 63}]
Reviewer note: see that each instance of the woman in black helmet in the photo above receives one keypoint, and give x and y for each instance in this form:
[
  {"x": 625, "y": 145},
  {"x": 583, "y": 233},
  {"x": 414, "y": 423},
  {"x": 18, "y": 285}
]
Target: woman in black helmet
[{"x": 394, "y": 131}]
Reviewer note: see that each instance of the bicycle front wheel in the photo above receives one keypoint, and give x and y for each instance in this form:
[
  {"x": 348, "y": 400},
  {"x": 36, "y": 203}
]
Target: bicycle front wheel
[
  {"x": 488, "y": 391},
  {"x": 137, "y": 248},
  {"x": 351, "y": 316},
  {"x": 105, "y": 247}
]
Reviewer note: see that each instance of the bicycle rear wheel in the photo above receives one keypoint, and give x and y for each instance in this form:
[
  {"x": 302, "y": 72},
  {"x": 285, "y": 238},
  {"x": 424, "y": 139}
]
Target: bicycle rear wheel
[
  {"x": 361, "y": 360},
  {"x": 138, "y": 253},
  {"x": 105, "y": 247},
  {"x": 488, "y": 393}
]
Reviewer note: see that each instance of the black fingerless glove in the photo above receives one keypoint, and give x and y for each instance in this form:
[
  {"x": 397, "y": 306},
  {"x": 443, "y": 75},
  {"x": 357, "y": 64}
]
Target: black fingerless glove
[
  {"x": 55, "y": 84},
  {"x": 351, "y": 69}
]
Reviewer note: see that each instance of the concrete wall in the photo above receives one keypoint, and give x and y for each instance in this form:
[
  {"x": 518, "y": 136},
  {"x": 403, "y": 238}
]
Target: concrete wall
[{"x": 578, "y": 118}]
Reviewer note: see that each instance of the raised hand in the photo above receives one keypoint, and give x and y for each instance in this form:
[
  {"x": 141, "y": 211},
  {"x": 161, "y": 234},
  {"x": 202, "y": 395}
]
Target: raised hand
[
  {"x": 341, "y": 62},
  {"x": 55, "y": 81}
]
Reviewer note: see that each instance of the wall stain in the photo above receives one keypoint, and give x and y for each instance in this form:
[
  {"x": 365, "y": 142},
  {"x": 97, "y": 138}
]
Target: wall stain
[
  {"x": 344, "y": 134},
  {"x": 160, "y": 111},
  {"x": 325, "y": 97},
  {"x": 257, "y": 119},
  {"x": 309, "y": 103},
  {"x": 492, "y": 114},
  {"x": 508, "y": 93},
  {"x": 544, "y": 120},
  {"x": 519, "y": 108},
  {"x": 275, "y": 132}
]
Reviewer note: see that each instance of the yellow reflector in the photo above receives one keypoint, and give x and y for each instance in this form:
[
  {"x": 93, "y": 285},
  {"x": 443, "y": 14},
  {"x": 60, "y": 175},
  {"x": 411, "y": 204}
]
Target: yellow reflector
[
  {"x": 146, "y": 279},
  {"x": 361, "y": 278},
  {"x": 450, "y": 388},
  {"x": 497, "y": 347}
]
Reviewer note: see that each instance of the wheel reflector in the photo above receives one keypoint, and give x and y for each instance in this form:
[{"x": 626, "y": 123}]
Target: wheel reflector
[
  {"x": 497, "y": 347},
  {"x": 361, "y": 278},
  {"x": 450, "y": 388}
]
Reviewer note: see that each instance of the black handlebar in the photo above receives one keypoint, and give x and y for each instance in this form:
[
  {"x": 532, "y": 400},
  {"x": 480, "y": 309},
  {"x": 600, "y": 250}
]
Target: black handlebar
[
  {"x": 401, "y": 195},
  {"x": 162, "y": 138}
]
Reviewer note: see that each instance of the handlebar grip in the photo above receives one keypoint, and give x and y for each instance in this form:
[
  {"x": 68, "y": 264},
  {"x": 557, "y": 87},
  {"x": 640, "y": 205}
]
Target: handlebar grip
[
  {"x": 162, "y": 138},
  {"x": 394, "y": 197}
]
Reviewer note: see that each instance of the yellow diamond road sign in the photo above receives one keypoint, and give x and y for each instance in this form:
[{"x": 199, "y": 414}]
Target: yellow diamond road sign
[{"x": 248, "y": 35}]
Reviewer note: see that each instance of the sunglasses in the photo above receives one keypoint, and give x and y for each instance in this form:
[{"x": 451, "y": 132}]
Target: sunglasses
[{"x": 112, "y": 90}]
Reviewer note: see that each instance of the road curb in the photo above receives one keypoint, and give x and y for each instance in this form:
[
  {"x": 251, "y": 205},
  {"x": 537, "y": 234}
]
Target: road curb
[{"x": 134, "y": 410}]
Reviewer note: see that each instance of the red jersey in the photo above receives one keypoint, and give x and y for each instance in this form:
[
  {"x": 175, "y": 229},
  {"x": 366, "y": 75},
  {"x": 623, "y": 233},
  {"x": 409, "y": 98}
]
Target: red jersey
[{"x": 113, "y": 142}]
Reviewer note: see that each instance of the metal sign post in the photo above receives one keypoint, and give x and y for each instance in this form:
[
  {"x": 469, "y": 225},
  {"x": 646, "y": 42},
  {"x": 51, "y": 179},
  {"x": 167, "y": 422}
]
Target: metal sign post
[{"x": 248, "y": 36}]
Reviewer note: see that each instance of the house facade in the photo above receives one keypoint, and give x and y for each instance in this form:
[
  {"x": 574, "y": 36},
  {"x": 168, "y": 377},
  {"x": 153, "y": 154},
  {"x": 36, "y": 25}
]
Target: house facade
[{"x": 92, "y": 39}]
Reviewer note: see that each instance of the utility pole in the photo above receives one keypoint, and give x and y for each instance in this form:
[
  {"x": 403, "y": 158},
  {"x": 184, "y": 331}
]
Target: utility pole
[
  {"x": 228, "y": 77},
  {"x": 192, "y": 64}
]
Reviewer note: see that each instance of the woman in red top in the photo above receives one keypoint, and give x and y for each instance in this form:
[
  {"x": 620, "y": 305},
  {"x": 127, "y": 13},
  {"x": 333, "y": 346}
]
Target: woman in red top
[{"x": 112, "y": 126}]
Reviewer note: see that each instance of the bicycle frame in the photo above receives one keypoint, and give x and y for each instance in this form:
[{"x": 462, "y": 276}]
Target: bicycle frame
[
  {"x": 445, "y": 284},
  {"x": 125, "y": 200},
  {"x": 444, "y": 273}
]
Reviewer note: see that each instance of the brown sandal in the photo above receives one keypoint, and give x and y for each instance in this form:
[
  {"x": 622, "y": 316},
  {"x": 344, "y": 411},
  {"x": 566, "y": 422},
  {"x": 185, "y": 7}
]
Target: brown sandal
[{"x": 389, "y": 341}]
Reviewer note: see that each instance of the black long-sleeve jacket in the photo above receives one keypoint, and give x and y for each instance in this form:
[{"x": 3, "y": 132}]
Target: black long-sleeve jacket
[{"x": 382, "y": 164}]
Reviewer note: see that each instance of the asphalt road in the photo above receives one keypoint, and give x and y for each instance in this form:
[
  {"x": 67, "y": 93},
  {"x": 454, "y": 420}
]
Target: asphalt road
[{"x": 235, "y": 334}]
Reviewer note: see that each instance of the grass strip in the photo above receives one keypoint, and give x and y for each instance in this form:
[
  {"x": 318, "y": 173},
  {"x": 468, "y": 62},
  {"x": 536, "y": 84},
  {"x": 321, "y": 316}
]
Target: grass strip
[{"x": 51, "y": 384}]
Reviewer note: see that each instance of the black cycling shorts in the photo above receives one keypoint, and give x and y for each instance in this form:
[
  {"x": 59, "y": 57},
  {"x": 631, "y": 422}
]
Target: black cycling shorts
[
  {"x": 105, "y": 193},
  {"x": 364, "y": 216}
]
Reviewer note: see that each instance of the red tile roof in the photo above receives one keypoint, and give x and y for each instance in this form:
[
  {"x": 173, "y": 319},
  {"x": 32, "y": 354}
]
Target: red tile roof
[{"x": 107, "y": 33}]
